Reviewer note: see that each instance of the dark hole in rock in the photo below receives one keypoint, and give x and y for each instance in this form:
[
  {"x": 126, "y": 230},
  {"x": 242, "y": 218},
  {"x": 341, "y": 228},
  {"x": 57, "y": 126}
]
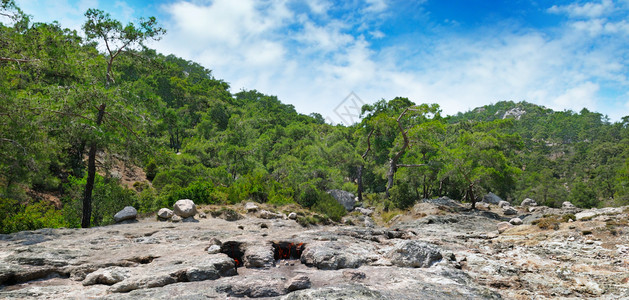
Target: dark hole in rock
[
  {"x": 288, "y": 250},
  {"x": 143, "y": 259},
  {"x": 235, "y": 251}
]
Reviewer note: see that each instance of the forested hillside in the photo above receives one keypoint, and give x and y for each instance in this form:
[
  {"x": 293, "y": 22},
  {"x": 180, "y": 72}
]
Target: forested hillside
[{"x": 68, "y": 107}]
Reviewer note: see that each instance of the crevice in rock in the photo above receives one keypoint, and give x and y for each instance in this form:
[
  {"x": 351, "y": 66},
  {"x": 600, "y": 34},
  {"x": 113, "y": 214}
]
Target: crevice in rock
[
  {"x": 32, "y": 275},
  {"x": 287, "y": 250},
  {"x": 234, "y": 250},
  {"x": 142, "y": 259}
]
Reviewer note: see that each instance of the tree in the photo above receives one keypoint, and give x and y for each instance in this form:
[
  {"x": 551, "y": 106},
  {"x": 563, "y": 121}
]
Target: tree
[
  {"x": 480, "y": 158},
  {"x": 100, "y": 26}
]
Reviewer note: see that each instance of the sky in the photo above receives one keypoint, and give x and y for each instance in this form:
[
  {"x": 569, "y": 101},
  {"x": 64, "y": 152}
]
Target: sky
[{"x": 331, "y": 57}]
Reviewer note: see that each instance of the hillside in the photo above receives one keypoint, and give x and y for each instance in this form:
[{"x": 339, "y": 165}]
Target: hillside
[{"x": 74, "y": 117}]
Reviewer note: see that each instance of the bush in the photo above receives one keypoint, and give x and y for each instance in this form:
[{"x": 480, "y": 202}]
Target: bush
[
  {"x": 200, "y": 192},
  {"x": 17, "y": 217},
  {"x": 328, "y": 206},
  {"x": 402, "y": 196}
]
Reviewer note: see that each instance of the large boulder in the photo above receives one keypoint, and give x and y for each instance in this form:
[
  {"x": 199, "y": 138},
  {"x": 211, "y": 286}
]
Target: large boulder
[
  {"x": 127, "y": 213},
  {"x": 346, "y": 199},
  {"x": 492, "y": 198},
  {"x": 185, "y": 208},
  {"x": 108, "y": 276},
  {"x": 567, "y": 204},
  {"x": 509, "y": 211},
  {"x": 414, "y": 254},
  {"x": 251, "y": 207}
]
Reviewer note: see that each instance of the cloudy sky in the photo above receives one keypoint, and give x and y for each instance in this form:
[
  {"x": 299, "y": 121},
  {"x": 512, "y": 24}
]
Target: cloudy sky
[{"x": 460, "y": 54}]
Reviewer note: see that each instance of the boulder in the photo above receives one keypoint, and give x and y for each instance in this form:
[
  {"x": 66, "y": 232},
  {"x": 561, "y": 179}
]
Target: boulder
[
  {"x": 165, "y": 213},
  {"x": 265, "y": 214},
  {"x": 332, "y": 256},
  {"x": 259, "y": 256},
  {"x": 492, "y": 198},
  {"x": 257, "y": 287},
  {"x": 184, "y": 208},
  {"x": 175, "y": 219},
  {"x": 509, "y": 211},
  {"x": 414, "y": 254},
  {"x": 364, "y": 211},
  {"x": 515, "y": 221},
  {"x": 528, "y": 202},
  {"x": 292, "y": 216},
  {"x": 503, "y": 203},
  {"x": 299, "y": 282},
  {"x": 251, "y": 207},
  {"x": 344, "y": 198},
  {"x": 108, "y": 276},
  {"x": 567, "y": 204},
  {"x": 503, "y": 226},
  {"x": 127, "y": 213}
]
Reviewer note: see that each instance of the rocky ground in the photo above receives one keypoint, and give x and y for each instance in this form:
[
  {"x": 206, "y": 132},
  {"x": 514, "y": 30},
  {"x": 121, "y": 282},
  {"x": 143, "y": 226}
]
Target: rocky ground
[{"x": 440, "y": 249}]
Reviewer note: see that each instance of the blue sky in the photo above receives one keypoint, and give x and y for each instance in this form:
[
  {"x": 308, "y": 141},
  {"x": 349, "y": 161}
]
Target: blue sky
[{"x": 460, "y": 54}]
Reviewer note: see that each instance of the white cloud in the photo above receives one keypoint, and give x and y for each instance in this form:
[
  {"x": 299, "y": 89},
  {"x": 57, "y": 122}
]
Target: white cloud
[
  {"x": 376, "y": 5},
  {"x": 587, "y": 10}
]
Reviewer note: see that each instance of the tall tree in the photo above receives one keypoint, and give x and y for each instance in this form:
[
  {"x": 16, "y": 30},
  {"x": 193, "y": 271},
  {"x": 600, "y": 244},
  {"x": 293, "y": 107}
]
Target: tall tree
[{"x": 101, "y": 27}]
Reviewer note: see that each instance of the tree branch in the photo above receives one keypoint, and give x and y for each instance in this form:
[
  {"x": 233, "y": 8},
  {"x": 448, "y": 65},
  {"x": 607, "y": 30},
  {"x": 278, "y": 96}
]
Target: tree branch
[
  {"x": 15, "y": 143},
  {"x": 368, "y": 144},
  {"x": 123, "y": 124},
  {"x": 412, "y": 165},
  {"x": 17, "y": 59}
]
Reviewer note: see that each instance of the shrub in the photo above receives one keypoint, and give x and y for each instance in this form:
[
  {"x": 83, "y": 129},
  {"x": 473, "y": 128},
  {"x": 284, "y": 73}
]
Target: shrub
[
  {"x": 328, "y": 206},
  {"x": 17, "y": 217}
]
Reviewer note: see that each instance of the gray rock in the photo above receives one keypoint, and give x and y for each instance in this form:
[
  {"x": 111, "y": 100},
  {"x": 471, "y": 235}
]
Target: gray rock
[
  {"x": 354, "y": 275},
  {"x": 591, "y": 213},
  {"x": 346, "y": 199},
  {"x": 127, "y": 213},
  {"x": 503, "y": 203},
  {"x": 509, "y": 211},
  {"x": 300, "y": 282},
  {"x": 108, "y": 276},
  {"x": 332, "y": 256},
  {"x": 492, "y": 198},
  {"x": 265, "y": 214},
  {"x": 364, "y": 211},
  {"x": 202, "y": 215},
  {"x": 414, "y": 254},
  {"x": 567, "y": 204},
  {"x": 259, "y": 256},
  {"x": 149, "y": 281},
  {"x": 251, "y": 207},
  {"x": 175, "y": 218},
  {"x": 257, "y": 287},
  {"x": 214, "y": 249},
  {"x": 528, "y": 202},
  {"x": 165, "y": 213},
  {"x": 516, "y": 221},
  {"x": 184, "y": 208},
  {"x": 503, "y": 226},
  {"x": 292, "y": 216},
  {"x": 354, "y": 292}
]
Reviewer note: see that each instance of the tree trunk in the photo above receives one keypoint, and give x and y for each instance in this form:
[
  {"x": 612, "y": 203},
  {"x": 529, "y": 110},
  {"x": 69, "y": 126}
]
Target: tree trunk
[
  {"x": 390, "y": 174},
  {"x": 470, "y": 193},
  {"x": 91, "y": 175},
  {"x": 360, "y": 182}
]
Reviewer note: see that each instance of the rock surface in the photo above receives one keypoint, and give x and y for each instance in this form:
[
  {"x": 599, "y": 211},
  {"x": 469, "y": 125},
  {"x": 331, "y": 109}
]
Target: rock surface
[
  {"x": 528, "y": 202},
  {"x": 127, "y": 213},
  {"x": 492, "y": 198},
  {"x": 436, "y": 250}
]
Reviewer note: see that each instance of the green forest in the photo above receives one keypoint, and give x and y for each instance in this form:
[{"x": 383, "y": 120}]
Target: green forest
[{"x": 72, "y": 115}]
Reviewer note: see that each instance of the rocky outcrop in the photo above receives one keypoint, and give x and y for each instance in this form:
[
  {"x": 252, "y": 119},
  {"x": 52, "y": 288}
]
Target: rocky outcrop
[
  {"x": 126, "y": 214},
  {"x": 185, "y": 208},
  {"x": 332, "y": 256},
  {"x": 414, "y": 254},
  {"x": 259, "y": 256},
  {"x": 528, "y": 202},
  {"x": 344, "y": 198}
]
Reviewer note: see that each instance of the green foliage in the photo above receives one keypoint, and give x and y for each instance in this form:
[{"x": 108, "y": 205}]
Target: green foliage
[
  {"x": 402, "y": 196},
  {"x": 15, "y": 216},
  {"x": 108, "y": 198},
  {"x": 582, "y": 196},
  {"x": 329, "y": 207}
]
